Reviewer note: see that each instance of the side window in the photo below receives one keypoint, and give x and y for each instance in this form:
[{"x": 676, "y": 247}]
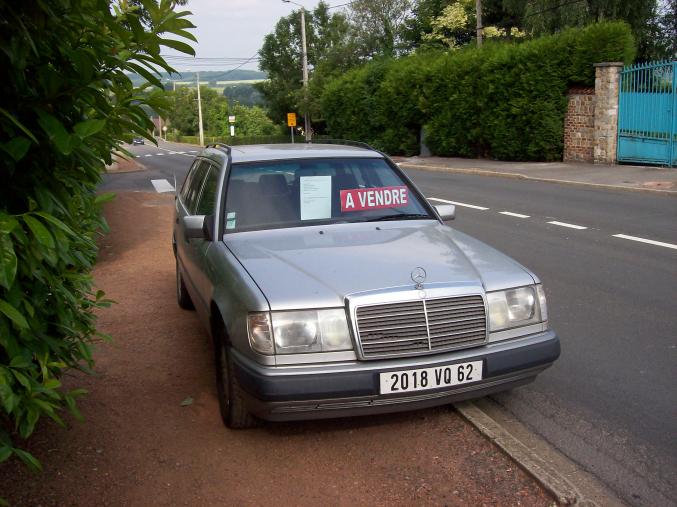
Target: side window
[
  {"x": 207, "y": 201},
  {"x": 189, "y": 177},
  {"x": 194, "y": 186}
]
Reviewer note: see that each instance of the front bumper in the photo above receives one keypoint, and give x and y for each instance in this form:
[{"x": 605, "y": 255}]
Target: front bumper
[{"x": 337, "y": 390}]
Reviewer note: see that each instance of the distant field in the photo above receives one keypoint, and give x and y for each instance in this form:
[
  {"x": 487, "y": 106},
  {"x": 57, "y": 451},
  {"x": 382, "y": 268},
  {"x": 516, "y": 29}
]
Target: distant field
[{"x": 242, "y": 81}]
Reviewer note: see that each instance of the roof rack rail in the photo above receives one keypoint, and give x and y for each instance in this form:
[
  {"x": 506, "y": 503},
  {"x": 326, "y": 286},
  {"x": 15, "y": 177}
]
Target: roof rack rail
[
  {"x": 225, "y": 146},
  {"x": 346, "y": 142}
]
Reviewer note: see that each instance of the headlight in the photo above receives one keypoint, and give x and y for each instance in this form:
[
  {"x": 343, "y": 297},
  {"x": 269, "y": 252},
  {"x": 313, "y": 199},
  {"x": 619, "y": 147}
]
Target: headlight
[
  {"x": 299, "y": 331},
  {"x": 516, "y": 307}
]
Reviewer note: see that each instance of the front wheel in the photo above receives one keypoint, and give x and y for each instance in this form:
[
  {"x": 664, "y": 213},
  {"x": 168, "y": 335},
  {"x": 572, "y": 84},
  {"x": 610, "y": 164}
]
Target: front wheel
[{"x": 233, "y": 411}]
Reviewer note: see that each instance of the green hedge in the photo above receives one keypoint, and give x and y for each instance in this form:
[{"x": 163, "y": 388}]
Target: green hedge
[
  {"x": 66, "y": 103},
  {"x": 505, "y": 100}
]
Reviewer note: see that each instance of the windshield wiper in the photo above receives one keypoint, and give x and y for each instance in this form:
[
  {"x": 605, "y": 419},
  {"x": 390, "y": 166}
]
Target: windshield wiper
[{"x": 400, "y": 216}]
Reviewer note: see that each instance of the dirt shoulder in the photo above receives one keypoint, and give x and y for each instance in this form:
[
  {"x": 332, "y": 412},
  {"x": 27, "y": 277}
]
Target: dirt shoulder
[{"x": 139, "y": 446}]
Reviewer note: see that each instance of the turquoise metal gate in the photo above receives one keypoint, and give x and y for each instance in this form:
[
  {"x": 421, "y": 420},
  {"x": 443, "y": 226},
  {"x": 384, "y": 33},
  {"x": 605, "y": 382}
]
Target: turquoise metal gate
[{"x": 647, "y": 114}]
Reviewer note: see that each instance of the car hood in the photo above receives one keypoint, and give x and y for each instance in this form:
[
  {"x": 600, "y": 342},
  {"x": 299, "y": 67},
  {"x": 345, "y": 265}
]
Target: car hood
[{"x": 319, "y": 266}]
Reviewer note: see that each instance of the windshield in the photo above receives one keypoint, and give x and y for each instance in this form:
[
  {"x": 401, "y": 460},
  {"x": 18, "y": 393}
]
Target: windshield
[{"x": 293, "y": 193}]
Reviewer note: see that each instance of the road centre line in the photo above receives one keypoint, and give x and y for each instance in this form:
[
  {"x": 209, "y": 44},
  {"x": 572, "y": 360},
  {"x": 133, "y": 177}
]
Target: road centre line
[
  {"x": 162, "y": 186},
  {"x": 456, "y": 203},
  {"x": 643, "y": 240},
  {"x": 570, "y": 226},
  {"x": 159, "y": 154},
  {"x": 511, "y": 214}
]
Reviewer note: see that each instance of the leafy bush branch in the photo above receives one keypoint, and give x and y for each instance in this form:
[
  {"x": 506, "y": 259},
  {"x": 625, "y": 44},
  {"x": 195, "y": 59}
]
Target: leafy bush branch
[{"x": 66, "y": 102}]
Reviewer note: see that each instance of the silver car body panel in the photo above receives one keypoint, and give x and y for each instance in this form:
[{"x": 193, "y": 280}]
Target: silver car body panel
[{"x": 301, "y": 268}]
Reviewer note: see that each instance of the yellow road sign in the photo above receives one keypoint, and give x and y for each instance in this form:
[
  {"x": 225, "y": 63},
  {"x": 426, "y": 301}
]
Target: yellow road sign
[{"x": 291, "y": 119}]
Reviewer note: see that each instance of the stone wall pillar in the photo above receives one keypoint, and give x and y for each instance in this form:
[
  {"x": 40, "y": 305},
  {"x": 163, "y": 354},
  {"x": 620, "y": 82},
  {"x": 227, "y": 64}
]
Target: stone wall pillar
[
  {"x": 579, "y": 125},
  {"x": 607, "y": 77}
]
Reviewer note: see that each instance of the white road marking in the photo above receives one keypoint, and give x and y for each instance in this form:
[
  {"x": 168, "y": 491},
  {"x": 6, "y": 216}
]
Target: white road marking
[
  {"x": 162, "y": 186},
  {"x": 456, "y": 203},
  {"x": 159, "y": 154},
  {"x": 148, "y": 155},
  {"x": 643, "y": 240},
  {"x": 192, "y": 151},
  {"x": 138, "y": 156},
  {"x": 511, "y": 214},
  {"x": 570, "y": 226}
]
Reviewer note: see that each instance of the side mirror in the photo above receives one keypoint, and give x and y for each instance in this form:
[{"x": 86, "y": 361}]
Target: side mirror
[
  {"x": 446, "y": 211},
  {"x": 198, "y": 227}
]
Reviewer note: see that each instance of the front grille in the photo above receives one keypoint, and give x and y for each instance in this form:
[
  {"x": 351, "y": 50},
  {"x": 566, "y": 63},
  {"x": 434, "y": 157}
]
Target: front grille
[{"x": 417, "y": 327}]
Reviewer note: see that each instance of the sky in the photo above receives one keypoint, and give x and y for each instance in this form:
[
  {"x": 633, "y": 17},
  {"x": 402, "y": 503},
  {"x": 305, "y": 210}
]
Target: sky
[{"x": 234, "y": 29}]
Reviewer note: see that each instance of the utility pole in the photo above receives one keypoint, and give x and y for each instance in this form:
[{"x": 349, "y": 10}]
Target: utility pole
[
  {"x": 306, "y": 113},
  {"x": 304, "y": 56},
  {"x": 199, "y": 112},
  {"x": 478, "y": 8}
]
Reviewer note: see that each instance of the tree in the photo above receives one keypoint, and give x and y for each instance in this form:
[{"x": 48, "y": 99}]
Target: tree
[
  {"x": 252, "y": 121},
  {"x": 440, "y": 23},
  {"x": 330, "y": 51},
  {"x": 379, "y": 25},
  {"x": 182, "y": 114},
  {"x": 66, "y": 102}
]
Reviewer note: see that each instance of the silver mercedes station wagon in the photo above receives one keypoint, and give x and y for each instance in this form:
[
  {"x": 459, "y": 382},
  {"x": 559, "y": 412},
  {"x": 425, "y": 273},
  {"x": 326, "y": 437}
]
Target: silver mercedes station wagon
[{"x": 331, "y": 287}]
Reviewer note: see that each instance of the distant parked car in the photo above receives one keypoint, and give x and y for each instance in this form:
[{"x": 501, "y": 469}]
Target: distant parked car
[
  {"x": 138, "y": 140},
  {"x": 331, "y": 287}
]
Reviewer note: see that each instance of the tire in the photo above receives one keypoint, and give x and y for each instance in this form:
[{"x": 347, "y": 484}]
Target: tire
[
  {"x": 182, "y": 296},
  {"x": 231, "y": 404}
]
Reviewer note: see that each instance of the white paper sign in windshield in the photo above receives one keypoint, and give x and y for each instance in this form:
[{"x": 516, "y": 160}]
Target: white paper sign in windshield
[{"x": 315, "y": 197}]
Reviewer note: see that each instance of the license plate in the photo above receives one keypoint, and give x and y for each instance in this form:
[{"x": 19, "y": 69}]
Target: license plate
[{"x": 430, "y": 378}]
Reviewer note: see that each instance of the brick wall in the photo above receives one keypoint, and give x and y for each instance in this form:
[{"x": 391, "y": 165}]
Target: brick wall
[{"x": 579, "y": 125}]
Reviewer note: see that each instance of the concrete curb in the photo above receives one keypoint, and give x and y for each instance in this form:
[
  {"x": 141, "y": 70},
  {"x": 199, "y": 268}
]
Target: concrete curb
[
  {"x": 563, "y": 492},
  {"x": 498, "y": 174},
  {"x": 565, "y": 480}
]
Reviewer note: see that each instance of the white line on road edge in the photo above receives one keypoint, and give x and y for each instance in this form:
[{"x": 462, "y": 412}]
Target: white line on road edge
[
  {"x": 642, "y": 240},
  {"x": 162, "y": 186},
  {"x": 455, "y": 203},
  {"x": 511, "y": 214},
  {"x": 570, "y": 226}
]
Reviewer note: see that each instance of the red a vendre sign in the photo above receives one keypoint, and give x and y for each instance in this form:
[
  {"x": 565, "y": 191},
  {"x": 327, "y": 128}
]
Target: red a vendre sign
[{"x": 360, "y": 199}]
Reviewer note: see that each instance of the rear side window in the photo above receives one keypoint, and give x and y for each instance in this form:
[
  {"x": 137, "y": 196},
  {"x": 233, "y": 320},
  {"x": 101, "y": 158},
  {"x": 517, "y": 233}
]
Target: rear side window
[
  {"x": 207, "y": 200},
  {"x": 189, "y": 177},
  {"x": 194, "y": 186}
]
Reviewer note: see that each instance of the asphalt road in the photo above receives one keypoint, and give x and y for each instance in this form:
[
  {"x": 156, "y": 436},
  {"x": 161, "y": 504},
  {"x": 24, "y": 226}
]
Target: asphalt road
[{"x": 610, "y": 402}]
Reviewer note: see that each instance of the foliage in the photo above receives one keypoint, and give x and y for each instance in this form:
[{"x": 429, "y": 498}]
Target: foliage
[
  {"x": 183, "y": 114},
  {"x": 243, "y": 93},
  {"x": 379, "y": 24},
  {"x": 183, "y": 110},
  {"x": 452, "y": 22},
  {"x": 66, "y": 101},
  {"x": 330, "y": 52},
  {"x": 504, "y": 100},
  {"x": 252, "y": 121}
]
